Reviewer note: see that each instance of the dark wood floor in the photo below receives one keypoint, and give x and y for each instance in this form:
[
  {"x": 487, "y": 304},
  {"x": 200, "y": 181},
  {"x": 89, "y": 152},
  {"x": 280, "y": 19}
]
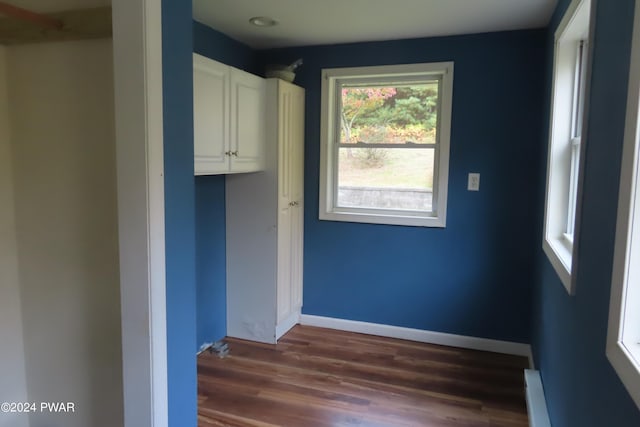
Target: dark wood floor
[{"x": 323, "y": 378}]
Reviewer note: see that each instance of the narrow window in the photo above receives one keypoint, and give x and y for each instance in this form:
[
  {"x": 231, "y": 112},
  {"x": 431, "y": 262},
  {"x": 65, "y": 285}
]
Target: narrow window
[{"x": 570, "y": 91}]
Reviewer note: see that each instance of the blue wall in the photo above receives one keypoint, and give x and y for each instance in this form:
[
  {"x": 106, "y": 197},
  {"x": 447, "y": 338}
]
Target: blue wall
[
  {"x": 474, "y": 277},
  {"x": 210, "y": 259},
  {"x": 569, "y": 333},
  {"x": 210, "y": 205},
  {"x": 477, "y": 276},
  {"x": 215, "y": 45},
  {"x": 179, "y": 211}
]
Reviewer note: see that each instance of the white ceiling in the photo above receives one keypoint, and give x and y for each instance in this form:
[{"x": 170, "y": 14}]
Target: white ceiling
[{"x": 313, "y": 22}]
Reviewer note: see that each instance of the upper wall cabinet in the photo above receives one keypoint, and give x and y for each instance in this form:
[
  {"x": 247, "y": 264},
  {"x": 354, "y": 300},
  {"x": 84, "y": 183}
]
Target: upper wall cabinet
[{"x": 229, "y": 118}]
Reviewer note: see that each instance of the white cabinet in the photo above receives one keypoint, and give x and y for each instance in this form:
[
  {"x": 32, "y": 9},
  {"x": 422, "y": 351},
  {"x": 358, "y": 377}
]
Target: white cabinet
[
  {"x": 265, "y": 227},
  {"x": 229, "y": 118}
]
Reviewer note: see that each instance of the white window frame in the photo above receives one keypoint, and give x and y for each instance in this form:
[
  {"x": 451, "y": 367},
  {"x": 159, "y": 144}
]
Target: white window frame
[
  {"x": 570, "y": 90},
  {"x": 623, "y": 337},
  {"x": 330, "y": 136}
]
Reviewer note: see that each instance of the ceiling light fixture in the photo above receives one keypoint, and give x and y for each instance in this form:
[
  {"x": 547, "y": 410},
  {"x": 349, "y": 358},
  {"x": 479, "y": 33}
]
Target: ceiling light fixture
[{"x": 263, "y": 21}]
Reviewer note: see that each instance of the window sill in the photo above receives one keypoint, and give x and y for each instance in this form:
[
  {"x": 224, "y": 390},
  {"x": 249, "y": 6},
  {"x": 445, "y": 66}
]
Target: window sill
[
  {"x": 559, "y": 252},
  {"x": 381, "y": 218},
  {"x": 623, "y": 362}
]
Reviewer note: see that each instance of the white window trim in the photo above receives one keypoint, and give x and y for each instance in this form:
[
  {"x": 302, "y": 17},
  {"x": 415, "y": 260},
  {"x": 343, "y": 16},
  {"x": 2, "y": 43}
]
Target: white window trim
[
  {"x": 328, "y": 148},
  {"x": 557, "y": 244},
  {"x": 624, "y": 356}
]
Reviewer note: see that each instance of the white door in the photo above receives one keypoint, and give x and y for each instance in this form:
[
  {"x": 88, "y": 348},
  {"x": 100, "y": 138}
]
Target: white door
[
  {"x": 291, "y": 199},
  {"x": 285, "y": 203},
  {"x": 297, "y": 185}
]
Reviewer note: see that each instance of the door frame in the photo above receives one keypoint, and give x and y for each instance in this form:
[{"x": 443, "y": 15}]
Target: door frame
[{"x": 137, "y": 50}]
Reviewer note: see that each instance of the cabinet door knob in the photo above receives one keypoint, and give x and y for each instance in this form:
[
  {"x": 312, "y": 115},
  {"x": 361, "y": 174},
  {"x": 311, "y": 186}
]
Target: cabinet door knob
[
  {"x": 227, "y": 153},
  {"x": 234, "y": 153}
]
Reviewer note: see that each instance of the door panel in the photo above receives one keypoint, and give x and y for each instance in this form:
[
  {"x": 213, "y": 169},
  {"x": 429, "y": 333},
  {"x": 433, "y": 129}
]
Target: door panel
[
  {"x": 210, "y": 115},
  {"x": 248, "y": 123}
]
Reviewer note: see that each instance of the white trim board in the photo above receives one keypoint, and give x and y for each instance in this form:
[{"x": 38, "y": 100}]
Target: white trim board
[
  {"x": 536, "y": 403},
  {"x": 137, "y": 44},
  {"x": 419, "y": 335},
  {"x": 287, "y": 323}
]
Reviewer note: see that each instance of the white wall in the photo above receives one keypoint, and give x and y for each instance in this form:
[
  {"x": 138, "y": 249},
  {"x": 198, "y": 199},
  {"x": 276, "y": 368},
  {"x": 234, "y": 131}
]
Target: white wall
[
  {"x": 62, "y": 122},
  {"x": 12, "y": 369}
]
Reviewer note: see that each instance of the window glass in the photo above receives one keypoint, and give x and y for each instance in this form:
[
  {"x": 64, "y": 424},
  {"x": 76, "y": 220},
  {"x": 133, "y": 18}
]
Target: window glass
[
  {"x": 379, "y": 166},
  {"x": 386, "y": 178}
]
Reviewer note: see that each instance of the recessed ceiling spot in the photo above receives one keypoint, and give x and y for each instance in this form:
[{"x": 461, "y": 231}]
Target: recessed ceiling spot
[{"x": 263, "y": 21}]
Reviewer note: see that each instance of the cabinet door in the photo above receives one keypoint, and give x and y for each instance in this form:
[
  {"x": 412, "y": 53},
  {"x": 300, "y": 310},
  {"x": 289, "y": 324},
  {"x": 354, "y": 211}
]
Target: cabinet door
[
  {"x": 285, "y": 204},
  {"x": 210, "y": 115},
  {"x": 290, "y": 199},
  {"x": 297, "y": 185},
  {"x": 248, "y": 122}
]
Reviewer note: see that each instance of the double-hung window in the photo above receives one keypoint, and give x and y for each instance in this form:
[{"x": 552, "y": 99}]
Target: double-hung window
[
  {"x": 571, "y": 55},
  {"x": 576, "y": 134},
  {"x": 385, "y": 144},
  {"x": 623, "y": 339}
]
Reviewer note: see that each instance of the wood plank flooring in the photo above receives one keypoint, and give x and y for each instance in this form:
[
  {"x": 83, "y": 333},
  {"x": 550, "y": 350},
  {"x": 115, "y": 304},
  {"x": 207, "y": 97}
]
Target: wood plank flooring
[{"x": 318, "y": 377}]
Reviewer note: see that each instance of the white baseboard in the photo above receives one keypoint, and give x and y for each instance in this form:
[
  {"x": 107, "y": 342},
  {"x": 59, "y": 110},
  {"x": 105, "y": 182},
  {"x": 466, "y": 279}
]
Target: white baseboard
[
  {"x": 536, "y": 404},
  {"x": 419, "y": 335},
  {"x": 287, "y": 323}
]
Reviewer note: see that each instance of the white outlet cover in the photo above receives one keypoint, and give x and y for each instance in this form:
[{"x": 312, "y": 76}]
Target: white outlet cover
[{"x": 474, "y": 182}]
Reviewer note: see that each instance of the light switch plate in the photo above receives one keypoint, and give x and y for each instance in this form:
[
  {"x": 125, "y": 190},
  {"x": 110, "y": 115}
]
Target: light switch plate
[{"x": 474, "y": 182}]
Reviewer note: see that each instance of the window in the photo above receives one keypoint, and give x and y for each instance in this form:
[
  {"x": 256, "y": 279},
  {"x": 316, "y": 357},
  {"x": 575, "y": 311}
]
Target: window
[
  {"x": 623, "y": 339},
  {"x": 385, "y": 144},
  {"x": 565, "y": 137},
  {"x": 576, "y": 135}
]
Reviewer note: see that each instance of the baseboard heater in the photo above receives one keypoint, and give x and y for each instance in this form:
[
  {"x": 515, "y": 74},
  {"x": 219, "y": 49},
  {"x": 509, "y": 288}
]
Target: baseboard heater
[{"x": 536, "y": 403}]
